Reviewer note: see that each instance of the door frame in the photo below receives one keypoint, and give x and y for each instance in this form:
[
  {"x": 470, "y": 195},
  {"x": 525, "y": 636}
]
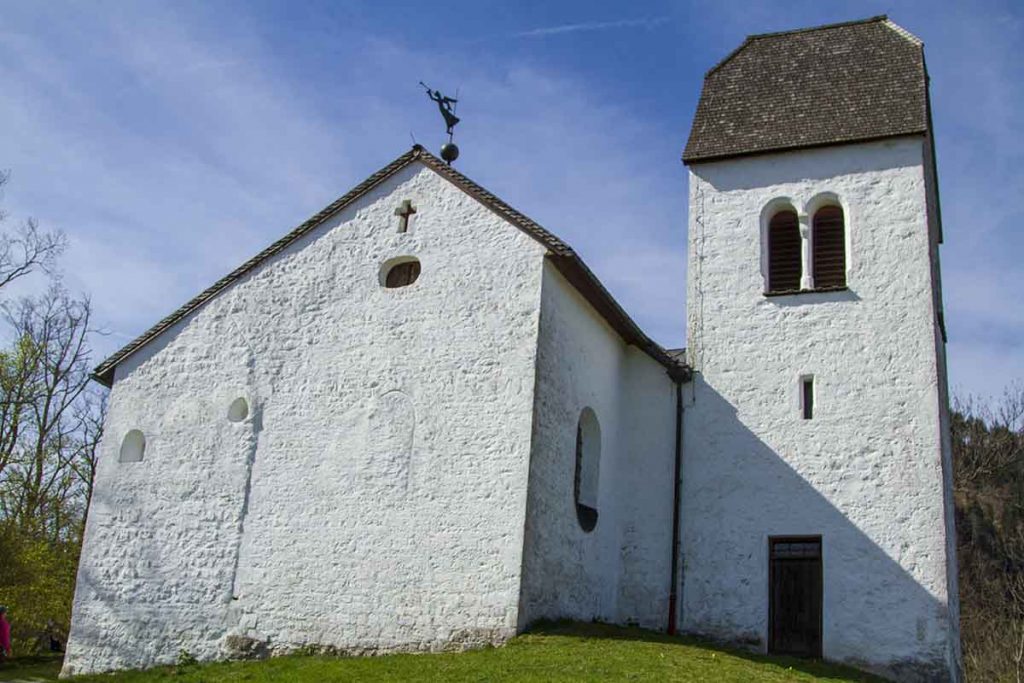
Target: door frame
[{"x": 772, "y": 540}]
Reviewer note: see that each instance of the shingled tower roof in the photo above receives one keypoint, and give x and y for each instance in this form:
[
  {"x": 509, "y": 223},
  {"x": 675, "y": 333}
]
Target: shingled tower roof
[{"x": 827, "y": 85}]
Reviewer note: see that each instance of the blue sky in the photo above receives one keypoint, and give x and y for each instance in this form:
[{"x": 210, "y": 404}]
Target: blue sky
[{"x": 171, "y": 141}]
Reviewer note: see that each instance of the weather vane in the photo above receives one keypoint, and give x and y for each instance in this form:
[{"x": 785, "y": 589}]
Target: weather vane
[{"x": 449, "y": 150}]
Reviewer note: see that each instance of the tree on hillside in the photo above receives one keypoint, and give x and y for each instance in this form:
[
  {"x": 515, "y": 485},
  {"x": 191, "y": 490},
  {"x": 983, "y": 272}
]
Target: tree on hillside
[
  {"x": 50, "y": 423},
  {"x": 988, "y": 449}
]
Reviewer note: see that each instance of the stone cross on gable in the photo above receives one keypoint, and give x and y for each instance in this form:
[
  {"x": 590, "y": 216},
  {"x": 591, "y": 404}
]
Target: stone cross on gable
[{"x": 404, "y": 211}]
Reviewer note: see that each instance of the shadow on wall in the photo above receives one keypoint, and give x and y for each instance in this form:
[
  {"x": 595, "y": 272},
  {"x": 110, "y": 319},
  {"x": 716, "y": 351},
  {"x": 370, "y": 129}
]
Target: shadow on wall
[
  {"x": 876, "y": 615},
  {"x": 103, "y": 624},
  {"x": 152, "y": 585},
  {"x": 111, "y": 632}
]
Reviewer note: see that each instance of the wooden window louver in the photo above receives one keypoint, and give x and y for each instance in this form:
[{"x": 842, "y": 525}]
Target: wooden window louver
[
  {"x": 829, "y": 248},
  {"x": 784, "y": 252}
]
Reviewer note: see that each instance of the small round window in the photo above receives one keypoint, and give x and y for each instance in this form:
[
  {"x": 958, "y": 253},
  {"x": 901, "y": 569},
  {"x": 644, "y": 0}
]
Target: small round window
[{"x": 401, "y": 273}]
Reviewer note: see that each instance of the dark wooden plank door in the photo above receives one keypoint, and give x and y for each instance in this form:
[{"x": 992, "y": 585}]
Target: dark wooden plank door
[{"x": 795, "y": 600}]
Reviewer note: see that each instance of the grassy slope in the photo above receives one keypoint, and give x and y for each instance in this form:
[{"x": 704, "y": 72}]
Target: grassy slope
[{"x": 573, "y": 652}]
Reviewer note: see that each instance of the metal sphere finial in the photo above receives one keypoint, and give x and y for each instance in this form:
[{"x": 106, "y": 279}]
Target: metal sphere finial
[{"x": 449, "y": 152}]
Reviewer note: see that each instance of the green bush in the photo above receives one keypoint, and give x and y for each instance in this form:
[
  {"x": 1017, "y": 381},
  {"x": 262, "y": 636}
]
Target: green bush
[{"x": 37, "y": 579}]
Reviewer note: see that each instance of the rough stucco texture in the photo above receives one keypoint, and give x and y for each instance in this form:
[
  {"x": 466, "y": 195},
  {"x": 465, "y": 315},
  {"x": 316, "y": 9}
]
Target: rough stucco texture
[
  {"x": 619, "y": 572},
  {"x": 373, "y": 498},
  {"x": 866, "y": 472}
]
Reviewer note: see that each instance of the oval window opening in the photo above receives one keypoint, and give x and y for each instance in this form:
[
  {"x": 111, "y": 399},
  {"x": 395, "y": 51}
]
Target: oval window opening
[
  {"x": 238, "y": 410},
  {"x": 402, "y": 273},
  {"x": 133, "y": 447}
]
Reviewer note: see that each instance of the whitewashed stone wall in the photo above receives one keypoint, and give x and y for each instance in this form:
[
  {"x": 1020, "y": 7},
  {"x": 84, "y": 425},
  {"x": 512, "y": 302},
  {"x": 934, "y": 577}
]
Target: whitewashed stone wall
[
  {"x": 374, "y": 497},
  {"x": 619, "y": 572},
  {"x": 866, "y": 473}
]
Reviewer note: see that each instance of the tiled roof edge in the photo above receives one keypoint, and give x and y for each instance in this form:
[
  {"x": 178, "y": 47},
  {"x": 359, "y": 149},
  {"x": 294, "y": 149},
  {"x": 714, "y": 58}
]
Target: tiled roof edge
[
  {"x": 570, "y": 265},
  {"x": 702, "y": 158},
  {"x": 904, "y": 32},
  {"x": 104, "y": 372}
]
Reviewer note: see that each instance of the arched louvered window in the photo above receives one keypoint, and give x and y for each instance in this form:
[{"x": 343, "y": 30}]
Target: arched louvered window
[
  {"x": 784, "y": 252},
  {"x": 828, "y": 242}
]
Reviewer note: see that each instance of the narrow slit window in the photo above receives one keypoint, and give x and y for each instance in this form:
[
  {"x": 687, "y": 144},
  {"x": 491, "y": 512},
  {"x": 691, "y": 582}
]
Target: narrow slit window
[{"x": 807, "y": 397}]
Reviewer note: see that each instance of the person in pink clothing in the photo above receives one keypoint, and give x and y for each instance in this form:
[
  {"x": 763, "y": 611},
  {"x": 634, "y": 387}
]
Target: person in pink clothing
[{"x": 5, "y": 635}]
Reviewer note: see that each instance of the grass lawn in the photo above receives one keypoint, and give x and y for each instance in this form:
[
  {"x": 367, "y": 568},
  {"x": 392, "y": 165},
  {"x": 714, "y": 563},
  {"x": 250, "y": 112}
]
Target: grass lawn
[{"x": 562, "y": 652}]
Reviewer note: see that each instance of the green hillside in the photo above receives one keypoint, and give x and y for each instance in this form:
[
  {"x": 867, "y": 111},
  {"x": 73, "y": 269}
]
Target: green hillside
[{"x": 566, "y": 652}]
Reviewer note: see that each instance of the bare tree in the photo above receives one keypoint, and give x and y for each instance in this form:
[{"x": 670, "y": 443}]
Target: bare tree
[
  {"x": 27, "y": 248},
  {"x": 988, "y": 437},
  {"x": 53, "y": 424},
  {"x": 91, "y": 413},
  {"x": 18, "y": 367}
]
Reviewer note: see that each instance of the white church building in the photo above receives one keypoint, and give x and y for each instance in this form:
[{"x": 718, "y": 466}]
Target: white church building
[{"x": 418, "y": 421}]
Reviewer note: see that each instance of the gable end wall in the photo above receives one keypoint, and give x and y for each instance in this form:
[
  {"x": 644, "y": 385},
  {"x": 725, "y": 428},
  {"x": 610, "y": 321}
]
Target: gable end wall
[{"x": 373, "y": 499}]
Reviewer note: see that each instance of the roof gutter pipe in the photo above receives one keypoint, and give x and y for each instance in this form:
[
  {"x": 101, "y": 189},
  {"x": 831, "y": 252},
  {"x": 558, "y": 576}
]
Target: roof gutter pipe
[{"x": 677, "y": 494}]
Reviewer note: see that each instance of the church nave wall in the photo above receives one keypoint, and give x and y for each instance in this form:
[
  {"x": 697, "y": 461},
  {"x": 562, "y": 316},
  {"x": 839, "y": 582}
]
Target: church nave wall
[{"x": 619, "y": 571}]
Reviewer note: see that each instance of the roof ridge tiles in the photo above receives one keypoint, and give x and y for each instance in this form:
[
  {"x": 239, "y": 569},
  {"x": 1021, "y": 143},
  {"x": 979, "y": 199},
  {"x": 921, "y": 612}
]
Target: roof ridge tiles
[
  {"x": 879, "y": 18},
  {"x": 821, "y": 27}
]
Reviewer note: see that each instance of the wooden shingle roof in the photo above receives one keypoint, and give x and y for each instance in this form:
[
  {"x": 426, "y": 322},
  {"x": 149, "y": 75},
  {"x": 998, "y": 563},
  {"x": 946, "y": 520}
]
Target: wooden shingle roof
[
  {"x": 568, "y": 263},
  {"x": 834, "y": 84}
]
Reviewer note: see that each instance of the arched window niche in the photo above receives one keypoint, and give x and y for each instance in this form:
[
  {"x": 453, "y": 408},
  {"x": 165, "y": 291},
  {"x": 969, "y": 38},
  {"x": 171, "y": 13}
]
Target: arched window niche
[
  {"x": 399, "y": 272},
  {"x": 133, "y": 447},
  {"x": 588, "y": 469},
  {"x": 781, "y": 247},
  {"x": 828, "y": 237},
  {"x": 391, "y": 435}
]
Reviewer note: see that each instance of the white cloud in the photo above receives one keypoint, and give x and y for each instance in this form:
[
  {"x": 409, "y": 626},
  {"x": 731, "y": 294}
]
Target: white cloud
[{"x": 591, "y": 26}]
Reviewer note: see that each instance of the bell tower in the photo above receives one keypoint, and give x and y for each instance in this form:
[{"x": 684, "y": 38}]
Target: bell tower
[{"x": 817, "y": 501}]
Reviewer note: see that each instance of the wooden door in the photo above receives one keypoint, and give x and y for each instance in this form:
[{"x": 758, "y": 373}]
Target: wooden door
[{"x": 794, "y": 610}]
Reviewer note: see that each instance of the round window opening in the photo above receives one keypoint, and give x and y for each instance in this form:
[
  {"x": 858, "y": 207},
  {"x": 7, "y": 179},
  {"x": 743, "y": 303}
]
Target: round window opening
[
  {"x": 133, "y": 447},
  {"x": 400, "y": 272},
  {"x": 238, "y": 410}
]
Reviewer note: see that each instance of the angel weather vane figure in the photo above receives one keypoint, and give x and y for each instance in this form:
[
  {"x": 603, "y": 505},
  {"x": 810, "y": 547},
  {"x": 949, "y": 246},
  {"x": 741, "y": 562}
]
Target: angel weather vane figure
[
  {"x": 449, "y": 150},
  {"x": 444, "y": 104}
]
